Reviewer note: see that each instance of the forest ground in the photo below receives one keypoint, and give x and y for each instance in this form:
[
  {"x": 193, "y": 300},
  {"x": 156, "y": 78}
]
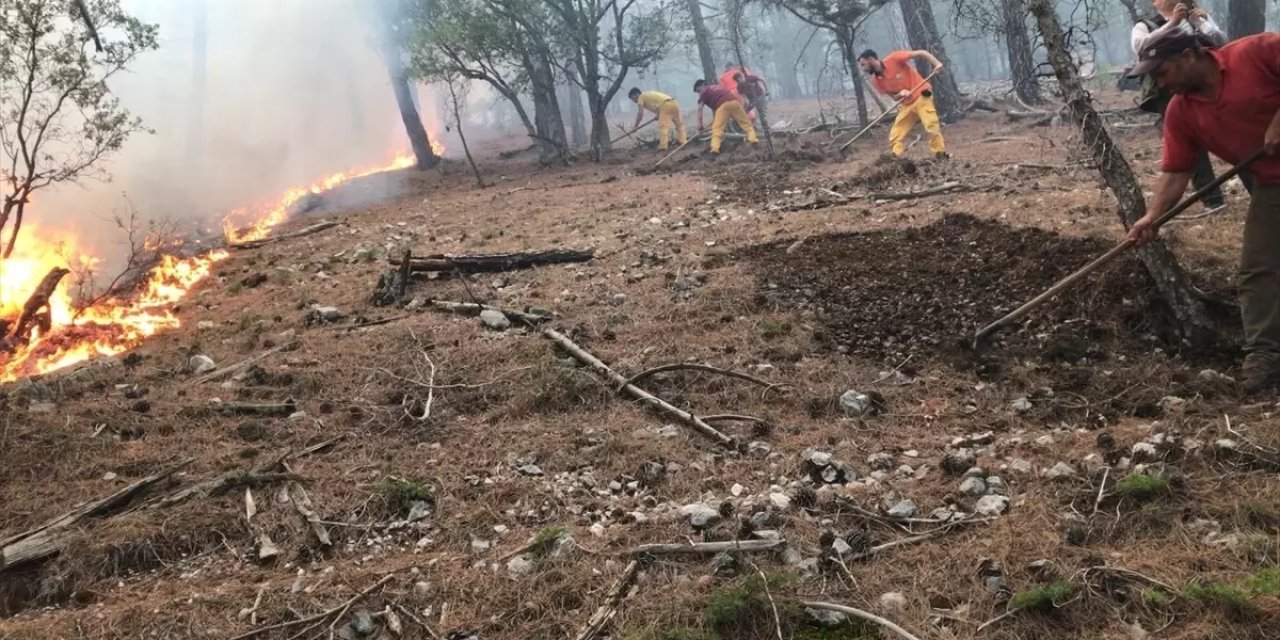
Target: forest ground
[{"x": 1135, "y": 469}]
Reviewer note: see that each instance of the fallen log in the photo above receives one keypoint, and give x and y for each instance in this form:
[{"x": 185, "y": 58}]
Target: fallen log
[
  {"x": 703, "y": 548},
  {"x": 305, "y": 231},
  {"x": 286, "y": 408},
  {"x": 690, "y": 420},
  {"x": 48, "y": 539},
  {"x": 494, "y": 262},
  {"x": 607, "y": 611}
]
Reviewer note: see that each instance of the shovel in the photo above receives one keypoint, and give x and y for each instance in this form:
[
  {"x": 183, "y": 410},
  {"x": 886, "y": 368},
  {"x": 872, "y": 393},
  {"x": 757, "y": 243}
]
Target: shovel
[
  {"x": 886, "y": 112},
  {"x": 1107, "y": 257}
]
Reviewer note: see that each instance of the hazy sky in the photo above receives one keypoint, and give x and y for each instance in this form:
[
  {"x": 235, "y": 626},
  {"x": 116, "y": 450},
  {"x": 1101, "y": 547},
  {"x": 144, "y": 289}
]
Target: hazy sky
[{"x": 294, "y": 90}]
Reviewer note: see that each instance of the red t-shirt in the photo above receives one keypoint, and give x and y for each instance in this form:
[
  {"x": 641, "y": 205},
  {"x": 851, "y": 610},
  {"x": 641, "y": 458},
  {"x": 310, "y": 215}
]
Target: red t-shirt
[
  {"x": 1233, "y": 125},
  {"x": 714, "y": 95},
  {"x": 899, "y": 75}
]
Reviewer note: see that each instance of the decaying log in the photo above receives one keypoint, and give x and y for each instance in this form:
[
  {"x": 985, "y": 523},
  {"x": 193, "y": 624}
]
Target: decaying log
[
  {"x": 585, "y": 357},
  {"x": 491, "y": 263},
  {"x": 286, "y": 408},
  {"x": 393, "y": 285},
  {"x": 223, "y": 372},
  {"x": 703, "y": 548},
  {"x": 945, "y": 187},
  {"x": 305, "y": 231},
  {"x": 607, "y": 611},
  {"x": 48, "y": 539},
  {"x": 859, "y": 613},
  {"x": 35, "y": 313}
]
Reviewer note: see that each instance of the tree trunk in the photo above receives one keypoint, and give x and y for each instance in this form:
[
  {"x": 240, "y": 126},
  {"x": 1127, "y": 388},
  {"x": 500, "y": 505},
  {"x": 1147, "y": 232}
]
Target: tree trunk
[
  {"x": 1131, "y": 6},
  {"x": 599, "y": 127},
  {"x": 1246, "y": 18},
  {"x": 703, "y": 39},
  {"x": 548, "y": 121},
  {"x": 922, "y": 33},
  {"x": 577, "y": 119},
  {"x": 1018, "y": 46},
  {"x": 845, "y": 38},
  {"x": 1195, "y": 325}
]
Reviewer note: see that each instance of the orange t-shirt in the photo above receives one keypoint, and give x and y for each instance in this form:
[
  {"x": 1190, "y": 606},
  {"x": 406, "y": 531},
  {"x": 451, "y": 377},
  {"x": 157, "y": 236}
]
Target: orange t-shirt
[{"x": 899, "y": 75}]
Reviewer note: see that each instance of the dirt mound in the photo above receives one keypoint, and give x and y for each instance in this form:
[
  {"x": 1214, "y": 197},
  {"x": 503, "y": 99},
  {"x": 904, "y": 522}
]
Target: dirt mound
[{"x": 891, "y": 295}]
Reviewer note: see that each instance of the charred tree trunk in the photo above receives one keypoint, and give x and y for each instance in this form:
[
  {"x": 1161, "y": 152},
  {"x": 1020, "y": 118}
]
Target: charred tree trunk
[
  {"x": 703, "y": 39},
  {"x": 1196, "y": 327},
  {"x": 1018, "y": 46},
  {"x": 1246, "y": 17},
  {"x": 548, "y": 121},
  {"x": 922, "y": 33},
  {"x": 844, "y": 37}
]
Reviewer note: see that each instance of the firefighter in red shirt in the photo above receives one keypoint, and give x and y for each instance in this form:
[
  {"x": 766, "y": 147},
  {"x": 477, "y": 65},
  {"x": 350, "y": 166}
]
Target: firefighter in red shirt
[
  {"x": 725, "y": 105},
  {"x": 1226, "y": 101},
  {"x": 895, "y": 77}
]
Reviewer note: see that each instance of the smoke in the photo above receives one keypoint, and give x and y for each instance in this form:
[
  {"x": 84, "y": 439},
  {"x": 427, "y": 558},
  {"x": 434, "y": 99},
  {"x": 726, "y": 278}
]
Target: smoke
[{"x": 247, "y": 98}]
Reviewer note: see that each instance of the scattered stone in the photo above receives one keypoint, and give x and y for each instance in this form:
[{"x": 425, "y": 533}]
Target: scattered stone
[
  {"x": 903, "y": 509},
  {"x": 325, "y": 314},
  {"x": 495, "y": 320},
  {"x": 597, "y": 530},
  {"x": 957, "y": 461},
  {"x": 736, "y": 489},
  {"x": 520, "y": 566},
  {"x": 780, "y": 501},
  {"x": 841, "y": 548},
  {"x": 109, "y": 476},
  {"x": 816, "y": 458},
  {"x": 880, "y": 461},
  {"x": 700, "y": 515},
  {"x": 973, "y": 486},
  {"x": 911, "y": 453},
  {"x": 479, "y": 545},
  {"x": 1043, "y": 570},
  {"x": 530, "y": 470},
  {"x": 1060, "y": 471},
  {"x": 759, "y": 449},
  {"x": 200, "y": 364},
  {"x": 298, "y": 416},
  {"x": 1226, "y": 444},
  {"x": 974, "y": 440},
  {"x": 991, "y": 505},
  {"x": 1044, "y": 442},
  {"x": 1020, "y": 465},
  {"x": 975, "y": 472},
  {"x": 618, "y": 299},
  {"x": 893, "y": 601},
  {"x": 725, "y": 564},
  {"x": 669, "y": 431},
  {"x": 1021, "y": 405},
  {"x": 1145, "y": 452},
  {"x": 205, "y": 325},
  {"x": 826, "y": 617},
  {"x": 858, "y": 405},
  {"x": 267, "y": 550},
  {"x": 997, "y": 486}
]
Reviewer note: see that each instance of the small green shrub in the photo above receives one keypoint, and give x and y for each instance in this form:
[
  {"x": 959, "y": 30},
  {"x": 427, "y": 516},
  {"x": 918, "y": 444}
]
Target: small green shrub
[
  {"x": 1142, "y": 486},
  {"x": 1265, "y": 582},
  {"x": 1217, "y": 592},
  {"x": 545, "y": 540},
  {"x": 1045, "y": 597},
  {"x": 1155, "y": 598},
  {"x": 401, "y": 493},
  {"x": 742, "y": 609}
]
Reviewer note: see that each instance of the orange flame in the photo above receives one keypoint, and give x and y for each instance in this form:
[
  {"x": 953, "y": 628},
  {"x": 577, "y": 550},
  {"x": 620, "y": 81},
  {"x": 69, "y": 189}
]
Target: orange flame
[{"x": 114, "y": 326}]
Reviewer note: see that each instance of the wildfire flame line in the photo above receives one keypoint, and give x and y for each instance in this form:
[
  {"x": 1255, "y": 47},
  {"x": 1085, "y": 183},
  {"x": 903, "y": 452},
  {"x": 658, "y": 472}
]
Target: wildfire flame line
[{"x": 114, "y": 326}]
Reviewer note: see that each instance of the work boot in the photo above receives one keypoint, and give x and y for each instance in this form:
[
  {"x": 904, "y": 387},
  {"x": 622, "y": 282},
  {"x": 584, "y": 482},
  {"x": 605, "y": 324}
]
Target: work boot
[
  {"x": 1259, "y": 372},
  {"x": 942, "y": 155}
]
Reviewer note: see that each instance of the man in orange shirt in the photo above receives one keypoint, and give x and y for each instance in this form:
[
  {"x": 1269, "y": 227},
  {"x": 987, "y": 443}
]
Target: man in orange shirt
[{"x": 895, "y": 77}]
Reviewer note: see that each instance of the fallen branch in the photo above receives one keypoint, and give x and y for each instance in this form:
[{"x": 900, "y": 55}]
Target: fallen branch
[
  {"x": 494, "y": 262},
  {"x": 305, "y": 231},
  {"x": 309, "y": 620},
  {"x": 48, "y": 539},
  {"x": 286, "y": 408},
  {"x": 685, "y": 366},
  {"x": 693, "y": 548},
  {"x": 931, "y": 191},
  {"x": 603, "y": 369},
  {"x": 607, "y": 611},
  {"x": 474, "y": 309},
  {"x": 865, "y": 615},
  {"x": 223, "y": 372},
  {"x": 732, "y": 417},
  {"x": 36, "y": 312}
]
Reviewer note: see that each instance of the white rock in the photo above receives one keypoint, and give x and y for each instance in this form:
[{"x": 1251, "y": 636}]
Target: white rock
[
  {"x": 328, "y": 314},
  {"x": 903, "y": 509},
  {"x": 298, "y": 416},
  {"x": 200, "y": 364},
  {"x": 109, "y": 476},
  {"x": 780, "y": 501},
  {"x": 1044, "y": 441},
  {"x": 597, "y": 530},
  {"x": 855, "y": 404},
  {"x": 205, "y": 325},
  {"x": 973, "y": 486},
  {"x": 700, "y": 515},
  {"x": 992, "y": 505},
  {"x": 1021, "y": 405},
  {"x": 520, "y": 566},
  {"x": 1145, "y": 451},
  {"x": 1060, "y": 471},
  {"x": 495, "y": 320},
  {"x": 1020, "y": 465},
  {"x": 736, "y": 489},
  {"x": 893, "y": 601},
  {"x": 997, "y": 486},
  {"x": 841, "y": 548}
]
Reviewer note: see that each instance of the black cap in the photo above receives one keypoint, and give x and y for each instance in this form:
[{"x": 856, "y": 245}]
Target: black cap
[{"x": 1160, "y": 47}]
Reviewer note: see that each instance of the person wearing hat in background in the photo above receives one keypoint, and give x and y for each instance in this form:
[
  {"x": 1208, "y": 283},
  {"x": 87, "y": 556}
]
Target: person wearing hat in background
[
  {"x": 663, "y": 106},
  {"x": 1172, "y": 15},
  {"x": 1226, "y": 101}
]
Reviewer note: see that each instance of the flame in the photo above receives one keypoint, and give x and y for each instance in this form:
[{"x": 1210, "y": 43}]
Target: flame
[
  {"x": 113, "y": 326},
  {"x": 245, "y": 225}
]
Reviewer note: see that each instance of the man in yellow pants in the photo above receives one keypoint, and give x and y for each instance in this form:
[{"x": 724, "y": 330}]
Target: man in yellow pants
[
  {"x": 663, "y": 106},
  {"x": 895, "y": 77},
  {"x": 724, "y": 104}
]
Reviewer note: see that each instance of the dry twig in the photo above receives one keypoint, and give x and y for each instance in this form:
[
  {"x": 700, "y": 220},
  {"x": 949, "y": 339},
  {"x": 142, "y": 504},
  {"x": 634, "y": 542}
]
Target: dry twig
[
  {"x": 311, "y": 620},
  {"x": 865, "y": 615}
]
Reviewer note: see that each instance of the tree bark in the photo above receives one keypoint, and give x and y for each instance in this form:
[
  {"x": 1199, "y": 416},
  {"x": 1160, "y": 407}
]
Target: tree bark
[
  {"x": 548, "y": 121},
  {"x": 577, "y": 120},
  {"x": 1131, "y": 6},
  {"x": 703, "y": 39},
  {"x": 1246, "y": 18},
  {"x": 845, "y": 37},
  {"x": 1196, "y": 327},
  {"x": 922, "y": 33},
  {"x": 1018, "y": 46}
]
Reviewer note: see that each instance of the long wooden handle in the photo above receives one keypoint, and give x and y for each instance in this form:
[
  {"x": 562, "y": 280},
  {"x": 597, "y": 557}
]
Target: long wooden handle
[
  {"x": 627, "y": 134},
  {"x": 674, "y": 151},
  {"x": 887, "y": 111},
  {"x": 1115, "y": 251}
]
